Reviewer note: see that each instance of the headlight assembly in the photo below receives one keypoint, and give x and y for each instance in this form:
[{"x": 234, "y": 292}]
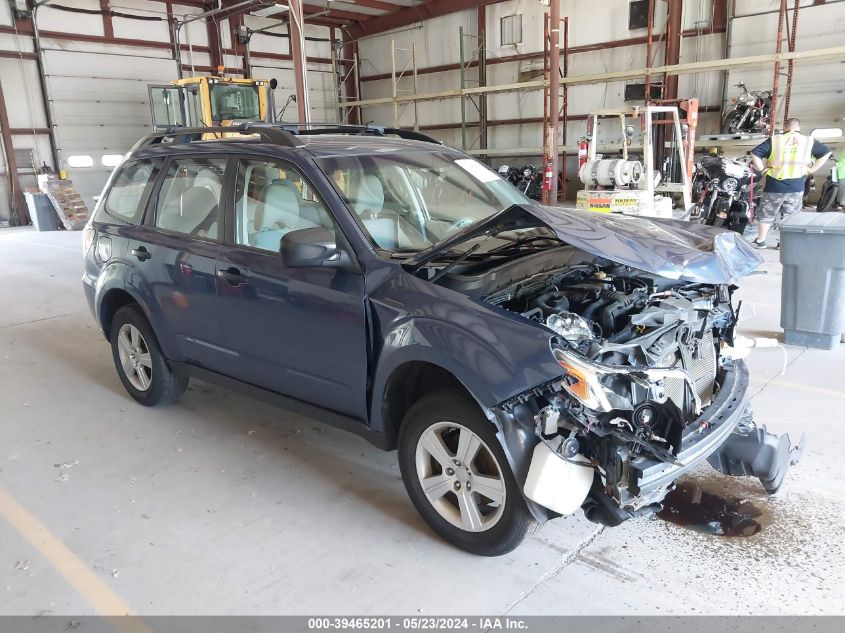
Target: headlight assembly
[
  {"x": 583, "y": 381},
  {"x": 729, "y": 184}
]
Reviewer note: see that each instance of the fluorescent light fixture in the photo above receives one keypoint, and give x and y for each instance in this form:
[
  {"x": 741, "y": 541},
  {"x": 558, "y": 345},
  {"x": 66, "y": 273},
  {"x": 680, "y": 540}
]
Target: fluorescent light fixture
[{"x": 273, "y": 9}]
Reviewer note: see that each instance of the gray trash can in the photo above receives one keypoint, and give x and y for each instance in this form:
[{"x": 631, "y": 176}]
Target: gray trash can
[
  {"x": 41, "y": 212},
  {"x": 812, "y": 301}
]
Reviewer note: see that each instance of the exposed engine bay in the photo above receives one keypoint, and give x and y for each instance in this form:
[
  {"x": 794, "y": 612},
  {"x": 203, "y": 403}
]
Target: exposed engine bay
[
  {"x": 622, "y": 318},
  {"x": 643, "y": 359},
  {"x": 646, "y": 378}
]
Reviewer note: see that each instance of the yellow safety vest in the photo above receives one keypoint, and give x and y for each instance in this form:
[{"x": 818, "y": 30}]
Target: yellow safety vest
[{"x": 790, "y": 156}]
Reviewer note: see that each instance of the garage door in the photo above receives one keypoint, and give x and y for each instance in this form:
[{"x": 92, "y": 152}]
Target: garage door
[{"x": 100, "y": 108}]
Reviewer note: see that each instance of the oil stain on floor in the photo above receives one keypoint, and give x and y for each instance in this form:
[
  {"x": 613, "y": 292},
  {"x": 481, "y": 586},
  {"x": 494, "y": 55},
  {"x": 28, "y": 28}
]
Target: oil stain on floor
[{"x": 714, "y": 507}]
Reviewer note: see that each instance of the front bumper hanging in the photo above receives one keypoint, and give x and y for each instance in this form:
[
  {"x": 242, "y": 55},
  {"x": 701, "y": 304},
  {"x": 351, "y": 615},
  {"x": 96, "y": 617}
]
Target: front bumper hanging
[{"x": 752, "y": 450}]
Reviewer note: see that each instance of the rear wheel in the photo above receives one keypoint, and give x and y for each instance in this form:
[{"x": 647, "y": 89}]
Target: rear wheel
[
  {"x": 458, "y": 477},
  {"x": 141, "y": 366},
  {"x": 827, "y": 199}
]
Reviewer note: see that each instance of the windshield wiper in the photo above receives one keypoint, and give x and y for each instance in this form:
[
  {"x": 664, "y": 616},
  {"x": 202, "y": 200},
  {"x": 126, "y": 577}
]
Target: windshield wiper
[
  {"x": 411, "y": 252},
  {"x": 460, "y": 258},
  {"x": 521, "y": 242}
]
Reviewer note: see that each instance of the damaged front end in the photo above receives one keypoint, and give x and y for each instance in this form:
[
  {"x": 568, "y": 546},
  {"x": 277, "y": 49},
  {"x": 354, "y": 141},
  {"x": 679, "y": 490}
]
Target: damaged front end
[{"x": 651, "y": 386}]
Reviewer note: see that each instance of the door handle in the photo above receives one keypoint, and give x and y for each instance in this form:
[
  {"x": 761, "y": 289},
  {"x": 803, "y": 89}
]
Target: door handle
[
  {"x": 232, "y": 276},
  {"x": 141, "y": 253}
]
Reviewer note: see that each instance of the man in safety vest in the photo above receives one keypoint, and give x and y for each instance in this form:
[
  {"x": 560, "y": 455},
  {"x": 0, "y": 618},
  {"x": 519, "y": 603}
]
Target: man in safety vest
[{"x": 789, "y": 156}]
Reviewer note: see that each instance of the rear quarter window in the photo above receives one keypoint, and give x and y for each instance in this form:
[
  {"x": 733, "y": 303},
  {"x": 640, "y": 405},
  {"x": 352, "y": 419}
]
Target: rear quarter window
[{"x": 124, "y": 200}]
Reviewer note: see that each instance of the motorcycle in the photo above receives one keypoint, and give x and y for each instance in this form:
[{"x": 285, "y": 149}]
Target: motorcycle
[
  {"x": 722, "y": 188},
  {"x": 508, "y": 173},
  {"x": 528, "y": 179},
  {"x": 749, "y": 112},
  {"x": 833, "y": 193}
]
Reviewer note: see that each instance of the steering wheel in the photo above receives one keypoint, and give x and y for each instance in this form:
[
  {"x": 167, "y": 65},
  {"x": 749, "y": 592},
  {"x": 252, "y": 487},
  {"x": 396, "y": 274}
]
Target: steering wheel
[{"x": 459, "y": 224}]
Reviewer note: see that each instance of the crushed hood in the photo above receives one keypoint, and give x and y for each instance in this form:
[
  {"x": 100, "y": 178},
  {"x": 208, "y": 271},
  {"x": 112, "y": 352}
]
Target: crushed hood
[{"x": 670, "y": 248}]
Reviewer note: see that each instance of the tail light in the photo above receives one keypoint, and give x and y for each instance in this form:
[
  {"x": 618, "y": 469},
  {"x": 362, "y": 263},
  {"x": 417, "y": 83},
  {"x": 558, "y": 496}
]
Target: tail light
[{"x": 88, "y": 235}]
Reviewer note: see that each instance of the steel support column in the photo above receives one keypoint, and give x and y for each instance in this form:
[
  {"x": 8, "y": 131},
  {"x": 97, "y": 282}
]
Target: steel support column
[
  {"x": 773, "y": 113},
  {"x": 482, "y": 73},
  {"x": 17, "y": 211},
  {"x": 648, "y": 48},
  {"x": 674, "y": 23},
  {"x": 551, "y": 141},
  {"x": 787, "y": 94},
  {"x": 297, "y": 51}
]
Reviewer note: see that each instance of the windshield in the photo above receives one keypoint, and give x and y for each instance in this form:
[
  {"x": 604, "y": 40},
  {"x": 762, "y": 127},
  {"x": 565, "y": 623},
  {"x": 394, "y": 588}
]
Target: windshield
[
  {"x": 233, "y": 101},
  {"x": 408, "y": 202}
]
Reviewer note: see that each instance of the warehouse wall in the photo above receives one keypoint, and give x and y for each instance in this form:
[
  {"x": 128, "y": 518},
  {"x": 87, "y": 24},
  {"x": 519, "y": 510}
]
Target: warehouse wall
[
  {"x": 97, "y": 88},
  {"x": 591, "y": 24}
]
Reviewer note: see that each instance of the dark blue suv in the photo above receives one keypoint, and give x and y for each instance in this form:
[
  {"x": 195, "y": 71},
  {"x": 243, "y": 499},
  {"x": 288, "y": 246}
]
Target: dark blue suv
[{"x": 526, "y": 361}]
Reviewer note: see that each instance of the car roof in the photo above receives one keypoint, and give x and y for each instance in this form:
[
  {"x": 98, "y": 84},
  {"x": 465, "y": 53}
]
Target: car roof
[{"x": 317, "y": 145}]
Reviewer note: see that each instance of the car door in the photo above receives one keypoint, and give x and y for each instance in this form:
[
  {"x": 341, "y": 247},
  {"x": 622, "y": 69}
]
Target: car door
[
  {"x": 297, "y": 331},
  {"x": 178, "y": 252}
]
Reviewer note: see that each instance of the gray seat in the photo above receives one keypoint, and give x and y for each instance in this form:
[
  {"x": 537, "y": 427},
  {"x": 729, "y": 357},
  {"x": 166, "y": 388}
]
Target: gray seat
[
  {"x": 368, "y": 202},
  {"x": 195, "y": 206},
  {"x": 209, "y": 179},
  {"x": 279, "y": 215},
  {"x": 369, "y": 196}
]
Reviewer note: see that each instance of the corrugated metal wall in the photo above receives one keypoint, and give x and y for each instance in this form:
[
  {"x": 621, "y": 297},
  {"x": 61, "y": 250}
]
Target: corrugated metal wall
[
  {"x": 98, "y": 91},
  {"x": 815, "y": 94},
  {"x": 99, "y": 98}
]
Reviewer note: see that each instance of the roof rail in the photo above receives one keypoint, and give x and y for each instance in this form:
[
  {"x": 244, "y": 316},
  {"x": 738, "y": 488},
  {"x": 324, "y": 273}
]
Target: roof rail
[
  {"x": 269, "y": 132},
  {"x": 278, "y": 133},
  {"x": 305, "y": 129}
]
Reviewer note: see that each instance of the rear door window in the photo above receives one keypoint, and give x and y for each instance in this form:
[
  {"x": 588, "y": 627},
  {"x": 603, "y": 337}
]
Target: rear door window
[
  {"x": 126, "y": 195},
  {"x": 188, "y": 201}
]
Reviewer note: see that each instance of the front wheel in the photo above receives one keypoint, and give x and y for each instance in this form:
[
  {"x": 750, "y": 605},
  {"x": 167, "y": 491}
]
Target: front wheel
[
  {"x": 730, "y": 124},
  {"x": 458, "y": 477},
  {"x": 141, "y": 366}
]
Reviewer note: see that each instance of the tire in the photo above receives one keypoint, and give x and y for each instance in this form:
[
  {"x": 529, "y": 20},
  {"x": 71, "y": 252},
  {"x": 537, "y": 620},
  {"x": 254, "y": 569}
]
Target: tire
[
  {"x": 828, "y": 197},
  {"x": 492, "y": 529},
  {"x": 140, "y": 365},
  {"x": 729, "y": 121}
]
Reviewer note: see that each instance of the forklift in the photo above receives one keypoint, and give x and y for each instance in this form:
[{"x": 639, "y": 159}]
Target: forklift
[{"x": 211, "y": 101}]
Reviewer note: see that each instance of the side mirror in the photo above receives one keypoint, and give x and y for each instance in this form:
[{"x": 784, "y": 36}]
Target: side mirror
[{"x": 311, "y": 247}]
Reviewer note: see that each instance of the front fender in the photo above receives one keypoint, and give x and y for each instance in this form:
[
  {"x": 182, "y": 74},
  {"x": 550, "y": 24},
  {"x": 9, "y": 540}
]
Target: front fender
[
  {"x": 477, "y": 356},
  {"x": 480, "y": 367}
]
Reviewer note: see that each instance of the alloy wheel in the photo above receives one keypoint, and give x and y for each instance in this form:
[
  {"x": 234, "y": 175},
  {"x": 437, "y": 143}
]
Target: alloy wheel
[
  {"x": 460, "y": 476},
  {"x": 135, "y": 357}
]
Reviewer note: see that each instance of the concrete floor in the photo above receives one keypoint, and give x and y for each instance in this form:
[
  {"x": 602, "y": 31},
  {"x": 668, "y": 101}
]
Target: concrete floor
[{"x": 223, "y": 505}]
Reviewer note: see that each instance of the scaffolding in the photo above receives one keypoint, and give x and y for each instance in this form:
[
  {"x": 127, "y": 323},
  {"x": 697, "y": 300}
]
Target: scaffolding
[
  {"x": 408, "y": 71},
  {"x": 347, "y": 80},
  {"x": 477, "y": 58},
  {"x": 554, "y": 147}
]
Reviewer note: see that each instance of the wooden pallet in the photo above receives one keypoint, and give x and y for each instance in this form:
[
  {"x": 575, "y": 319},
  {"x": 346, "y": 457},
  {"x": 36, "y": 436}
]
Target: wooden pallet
[{"x": 69, "y": 205}]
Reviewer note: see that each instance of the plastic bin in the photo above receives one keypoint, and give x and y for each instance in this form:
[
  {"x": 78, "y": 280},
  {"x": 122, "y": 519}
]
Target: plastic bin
[
  {"x": 41, "y": 211},
  {"x": 812, "y": 303}
]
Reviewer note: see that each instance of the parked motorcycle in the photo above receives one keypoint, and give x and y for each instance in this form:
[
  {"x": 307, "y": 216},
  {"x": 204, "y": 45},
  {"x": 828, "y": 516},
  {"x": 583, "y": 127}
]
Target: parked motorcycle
[
  {"x": 749, "y": 112},
  {"x": 508, "y": 173},
  {"x": 833, "y": 192},
  {"x": 528, "y": 179},
  {"x": 722, "y": 191}
]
